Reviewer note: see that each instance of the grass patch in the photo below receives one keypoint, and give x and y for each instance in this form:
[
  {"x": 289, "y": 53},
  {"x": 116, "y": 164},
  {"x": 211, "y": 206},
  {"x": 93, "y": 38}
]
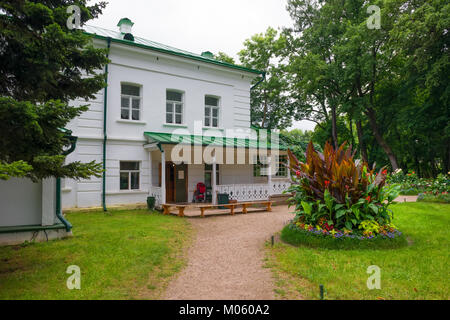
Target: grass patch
[
  {"x": 417, "y": 271},
  {"x": 122, "y": 255}
]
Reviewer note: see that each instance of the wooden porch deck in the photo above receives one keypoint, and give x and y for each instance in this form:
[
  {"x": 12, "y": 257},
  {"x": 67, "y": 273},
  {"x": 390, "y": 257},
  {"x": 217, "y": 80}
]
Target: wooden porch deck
[{"x": 205, "y": 209}]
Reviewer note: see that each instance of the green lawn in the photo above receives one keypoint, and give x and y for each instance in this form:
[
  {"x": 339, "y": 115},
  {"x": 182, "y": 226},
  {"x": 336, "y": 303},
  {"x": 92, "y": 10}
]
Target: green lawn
[
  {"x": 122, "y": 255},
  {"x": 418, "y": 271}
]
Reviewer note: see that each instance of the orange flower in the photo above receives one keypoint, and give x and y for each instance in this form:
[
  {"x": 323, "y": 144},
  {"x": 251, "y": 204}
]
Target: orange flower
[{"x": 368, "y": 199}]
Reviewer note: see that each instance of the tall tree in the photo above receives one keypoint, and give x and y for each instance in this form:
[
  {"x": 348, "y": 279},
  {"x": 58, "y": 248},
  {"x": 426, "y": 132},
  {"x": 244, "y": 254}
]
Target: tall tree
[
  {"x": 43, "y": 66},
  {"x": 421, "y": 38},
  {"x": 271, "y": 106},
  {"x": 346, "y": 59}
]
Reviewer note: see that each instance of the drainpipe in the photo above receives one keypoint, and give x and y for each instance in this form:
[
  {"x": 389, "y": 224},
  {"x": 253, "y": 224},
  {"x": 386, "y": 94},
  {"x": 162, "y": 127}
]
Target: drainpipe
[
  {"x": 59, "y": 215},
  {"x": 58, "y": 210},
  {"x": 105, "y": 137},
  {"x": 263, "y": 77}
]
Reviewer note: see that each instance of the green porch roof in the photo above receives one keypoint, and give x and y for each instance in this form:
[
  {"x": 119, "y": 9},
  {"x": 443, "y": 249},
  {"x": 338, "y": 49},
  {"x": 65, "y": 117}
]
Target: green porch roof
[
  {"x": 169, "y": 138},
  {"x": 117, "y": 37}
]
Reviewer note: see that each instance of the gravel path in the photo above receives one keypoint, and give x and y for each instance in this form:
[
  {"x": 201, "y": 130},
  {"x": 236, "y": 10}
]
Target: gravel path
[
  {"x": 406, "y": 199},
  {"x": 225, "y": 260}
]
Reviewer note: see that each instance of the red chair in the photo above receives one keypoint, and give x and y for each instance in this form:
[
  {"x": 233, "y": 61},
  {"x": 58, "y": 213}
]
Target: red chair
[{"x": 199, "y": 193}]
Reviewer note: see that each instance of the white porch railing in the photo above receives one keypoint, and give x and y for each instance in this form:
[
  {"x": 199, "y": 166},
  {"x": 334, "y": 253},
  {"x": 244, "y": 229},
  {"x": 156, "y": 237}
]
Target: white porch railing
[
  {"x": 156, "y": 192},
  {"x": 279, "y": 186},
  {"x": 253, "y": 192}
]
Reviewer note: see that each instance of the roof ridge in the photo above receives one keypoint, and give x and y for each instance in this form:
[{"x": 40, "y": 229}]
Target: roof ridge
[{"x": 154, "y": 45}]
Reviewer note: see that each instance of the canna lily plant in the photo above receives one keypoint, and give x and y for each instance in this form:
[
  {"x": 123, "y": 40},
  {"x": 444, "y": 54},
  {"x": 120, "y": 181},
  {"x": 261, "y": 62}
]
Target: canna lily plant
[{"x": 334, "y": 189}]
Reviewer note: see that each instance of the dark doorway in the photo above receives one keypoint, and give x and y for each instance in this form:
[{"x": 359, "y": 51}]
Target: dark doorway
[{"x": 176, "y": 183}]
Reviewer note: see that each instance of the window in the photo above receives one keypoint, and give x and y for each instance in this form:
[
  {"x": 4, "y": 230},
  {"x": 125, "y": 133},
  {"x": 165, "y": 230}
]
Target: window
[
  {"x": 129, "y": 175},
  {"x": 174, "y": 107},
  {"x": 208, "y": 175},
  {"x": 260, "y": 166},
  {"x": 130, "y": 102},
  {"x": 211, "y": 112},
  {"x": 281, "y": 166}
]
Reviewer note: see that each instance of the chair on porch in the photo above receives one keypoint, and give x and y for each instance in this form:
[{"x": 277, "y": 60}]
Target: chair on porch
[{"x": 200, "y": 192}]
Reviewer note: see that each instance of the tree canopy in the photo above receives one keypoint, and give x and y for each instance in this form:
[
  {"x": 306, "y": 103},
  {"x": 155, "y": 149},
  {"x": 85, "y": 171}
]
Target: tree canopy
[
  {"x": 383, "y": 88},
  {"x": 43, "y": 66}
]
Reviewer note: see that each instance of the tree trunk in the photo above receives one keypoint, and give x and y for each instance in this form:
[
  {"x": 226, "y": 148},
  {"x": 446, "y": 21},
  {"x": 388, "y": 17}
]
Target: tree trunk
[
  {"x": 387, "y": 149},
  {"x": 334, "y": 127},
  {"x": 350, "y": 121},
  {"x": 447, "y": 158},
  {"x": 362, "y": 145}
]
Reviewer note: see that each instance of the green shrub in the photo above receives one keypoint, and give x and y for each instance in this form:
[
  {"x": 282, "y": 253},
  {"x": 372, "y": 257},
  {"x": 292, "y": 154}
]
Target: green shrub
[{"x": 429, "y": 197}]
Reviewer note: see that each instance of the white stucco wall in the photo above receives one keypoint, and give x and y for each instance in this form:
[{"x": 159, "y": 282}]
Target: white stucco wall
[
  {"x": 155, "y": 73},
  {"x": 21, "y": 202}
]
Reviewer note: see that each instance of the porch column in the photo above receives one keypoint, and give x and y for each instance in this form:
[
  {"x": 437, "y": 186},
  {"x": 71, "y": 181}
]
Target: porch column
[
  {"x": 163, "y": 177},
  {"x": 150, "y": 173},
  {"x": 214, "y": 182},
  {"x": 269, "y": 173}
]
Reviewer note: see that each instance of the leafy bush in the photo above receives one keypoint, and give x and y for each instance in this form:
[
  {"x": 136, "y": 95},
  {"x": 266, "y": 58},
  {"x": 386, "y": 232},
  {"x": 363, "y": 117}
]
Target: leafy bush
[
  {"x": 411, "y": 184},
  {"x": 335, "y": 193},
  {"x": 430, "y": 197}
]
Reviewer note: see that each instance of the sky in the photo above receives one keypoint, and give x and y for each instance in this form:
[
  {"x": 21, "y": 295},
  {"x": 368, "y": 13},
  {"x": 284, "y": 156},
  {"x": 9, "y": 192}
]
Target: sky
[{"x": 199, "y": 25}]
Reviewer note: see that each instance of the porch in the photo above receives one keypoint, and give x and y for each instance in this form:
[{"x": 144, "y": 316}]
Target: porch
[{"x": 176, "y": 169}]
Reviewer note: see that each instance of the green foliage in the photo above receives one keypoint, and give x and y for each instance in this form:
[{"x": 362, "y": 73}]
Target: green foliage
[
  {"x": 333, "y": 191},
  {"x": 393, "y": 80},
  {"x": 411, "y": 184},
  {"x": 438, "y": 198},
  {"x": 222, "y": 56},
  {"x": 271, "y": 106},
  {"x": 43, "y": 66},
  {"x": 16, "y": 169},
  {"x": 297, "y": 140}
]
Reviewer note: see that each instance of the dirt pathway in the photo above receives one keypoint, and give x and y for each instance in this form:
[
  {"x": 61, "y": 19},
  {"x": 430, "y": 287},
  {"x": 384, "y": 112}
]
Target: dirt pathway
[
  {"x": 406, "y": 199},
  {"x": 226, "y": 258}
]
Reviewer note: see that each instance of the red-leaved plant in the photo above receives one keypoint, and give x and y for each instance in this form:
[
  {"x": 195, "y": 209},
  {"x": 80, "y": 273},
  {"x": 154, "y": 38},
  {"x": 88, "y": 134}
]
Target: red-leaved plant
[{"x": 334, "y": 186}]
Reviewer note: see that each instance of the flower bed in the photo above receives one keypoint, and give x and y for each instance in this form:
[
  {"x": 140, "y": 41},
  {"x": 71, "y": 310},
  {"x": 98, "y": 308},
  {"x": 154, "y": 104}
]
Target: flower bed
[
  {"x": 297, "y": 234},
  {"x": 340, "y": 199}
]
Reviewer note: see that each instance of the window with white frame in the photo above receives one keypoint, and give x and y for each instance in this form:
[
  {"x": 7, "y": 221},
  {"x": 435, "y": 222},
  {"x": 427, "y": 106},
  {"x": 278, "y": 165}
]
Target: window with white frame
[
  {"x": 281, "y": 161},
  {"x": 209, "y": 175},
  {"x": 130, "y": 107},
  {"x": 260, "y": 166},
  {"x": 174, "y": 107},
  {"x": 129, "y": 175},
  {"x": 211, "y": 112}
]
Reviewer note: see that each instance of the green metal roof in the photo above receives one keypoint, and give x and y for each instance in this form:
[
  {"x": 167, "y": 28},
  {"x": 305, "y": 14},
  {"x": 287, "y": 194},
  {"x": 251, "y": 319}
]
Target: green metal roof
[
  {"x": 117, "y": 37},
  {"x": 169, "y": 138}
]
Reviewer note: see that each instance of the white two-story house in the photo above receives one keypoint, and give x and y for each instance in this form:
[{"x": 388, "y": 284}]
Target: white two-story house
[{"x": 158, "y": 127}]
